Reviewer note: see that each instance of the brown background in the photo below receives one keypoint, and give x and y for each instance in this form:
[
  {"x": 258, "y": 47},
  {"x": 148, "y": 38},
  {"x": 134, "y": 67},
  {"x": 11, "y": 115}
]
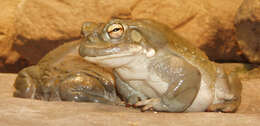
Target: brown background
[{"x": 30, "y": 28}]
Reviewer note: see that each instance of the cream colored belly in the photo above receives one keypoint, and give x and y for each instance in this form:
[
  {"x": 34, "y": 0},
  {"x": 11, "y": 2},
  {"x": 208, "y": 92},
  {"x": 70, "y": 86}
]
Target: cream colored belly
[
  {"x": 204, "y": 98},
  {"x": 147, "y": 83}
]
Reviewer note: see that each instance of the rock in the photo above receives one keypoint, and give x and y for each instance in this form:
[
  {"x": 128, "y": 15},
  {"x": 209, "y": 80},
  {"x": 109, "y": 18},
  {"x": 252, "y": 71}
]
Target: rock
[
  {"x": 207, "y": 24},
  {"x": 40, "y": 31},
  {"x": 7, "y": 33},
  {"x": 18, "y": 111},
  {"x": 13, "y": 67},
  {"x": 244, "y": 71},
  {"x": 7, "y": 28},
  {"x": 248, "y": 29}
]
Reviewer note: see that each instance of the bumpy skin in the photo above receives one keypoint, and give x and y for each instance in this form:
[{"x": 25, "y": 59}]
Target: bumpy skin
[
  {"x": 157, "y": 69},
  {"x": 63, "y": 75}
]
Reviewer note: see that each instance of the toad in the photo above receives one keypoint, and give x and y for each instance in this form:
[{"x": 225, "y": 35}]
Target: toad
[
  {"x": 63, "y": 75},
  {"x": 157, "y": 69}
]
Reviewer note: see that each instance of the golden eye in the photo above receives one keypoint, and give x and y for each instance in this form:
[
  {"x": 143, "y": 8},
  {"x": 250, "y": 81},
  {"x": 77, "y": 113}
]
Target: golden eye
[{"x": 115, "y": 31}]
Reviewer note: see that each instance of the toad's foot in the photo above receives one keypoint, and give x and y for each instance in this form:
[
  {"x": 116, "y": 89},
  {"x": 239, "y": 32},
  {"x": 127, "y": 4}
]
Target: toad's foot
[
  {"x": 230, "y": 106},
  {"x": 149, "y": 104}
]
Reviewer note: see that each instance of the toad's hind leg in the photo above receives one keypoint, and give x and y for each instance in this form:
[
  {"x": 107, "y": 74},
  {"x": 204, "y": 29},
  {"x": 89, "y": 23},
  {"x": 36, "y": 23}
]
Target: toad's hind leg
[
  {"x": 232, "y": 98},
  {"x": 86, "y": 86},
  {"x": 25, "y": 83}
]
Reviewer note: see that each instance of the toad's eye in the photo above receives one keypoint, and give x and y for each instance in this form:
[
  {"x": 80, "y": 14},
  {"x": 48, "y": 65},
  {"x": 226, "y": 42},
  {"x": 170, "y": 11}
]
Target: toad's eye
[{"x": 115, "y": 31}]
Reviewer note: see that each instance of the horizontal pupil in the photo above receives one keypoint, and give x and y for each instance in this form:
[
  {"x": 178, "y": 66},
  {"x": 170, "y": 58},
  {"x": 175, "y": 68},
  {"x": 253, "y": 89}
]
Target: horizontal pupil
[{"x": 116, "y": 29}]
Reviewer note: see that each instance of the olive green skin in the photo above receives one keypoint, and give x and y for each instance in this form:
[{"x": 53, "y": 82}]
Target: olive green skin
[
  {"x": 63, "y": 75},
  {"x": 157, "y": 69}
]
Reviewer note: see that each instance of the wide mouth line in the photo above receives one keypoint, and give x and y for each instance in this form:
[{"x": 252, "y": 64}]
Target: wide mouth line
[
  {"x": 121, "y": 55},
  {"x": 109, "y": 50}
]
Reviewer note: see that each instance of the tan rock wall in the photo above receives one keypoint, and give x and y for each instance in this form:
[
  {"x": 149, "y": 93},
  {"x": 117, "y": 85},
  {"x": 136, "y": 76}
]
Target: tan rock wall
[
  {"x": 37, "y": 26},
  {"x": 7, "y": 28},
  {"x": 248, "y": 29}
]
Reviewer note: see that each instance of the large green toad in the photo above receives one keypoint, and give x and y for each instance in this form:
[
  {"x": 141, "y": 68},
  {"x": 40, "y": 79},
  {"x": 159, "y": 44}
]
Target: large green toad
[{"x": 157, "y": 69}]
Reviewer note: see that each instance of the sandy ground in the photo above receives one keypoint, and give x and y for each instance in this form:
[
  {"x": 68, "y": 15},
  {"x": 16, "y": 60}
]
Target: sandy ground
[{"x": 27, "y": 112}]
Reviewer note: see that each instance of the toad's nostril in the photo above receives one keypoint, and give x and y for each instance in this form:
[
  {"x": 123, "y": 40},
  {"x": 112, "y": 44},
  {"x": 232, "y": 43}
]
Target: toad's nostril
[{"x": 88, "y": 28}]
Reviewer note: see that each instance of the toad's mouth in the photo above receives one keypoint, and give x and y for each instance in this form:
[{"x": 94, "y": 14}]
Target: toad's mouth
[
  {"x": 112, "y": 55},
  {"x": 108, "y": 51}
]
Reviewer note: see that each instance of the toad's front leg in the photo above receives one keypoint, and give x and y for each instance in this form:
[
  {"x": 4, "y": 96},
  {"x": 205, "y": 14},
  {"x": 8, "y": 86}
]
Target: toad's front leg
[
  {"x": 127, "y": 93},
  {"x": 179, "y": 95},
  {"x": 172, "y": 101}
]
